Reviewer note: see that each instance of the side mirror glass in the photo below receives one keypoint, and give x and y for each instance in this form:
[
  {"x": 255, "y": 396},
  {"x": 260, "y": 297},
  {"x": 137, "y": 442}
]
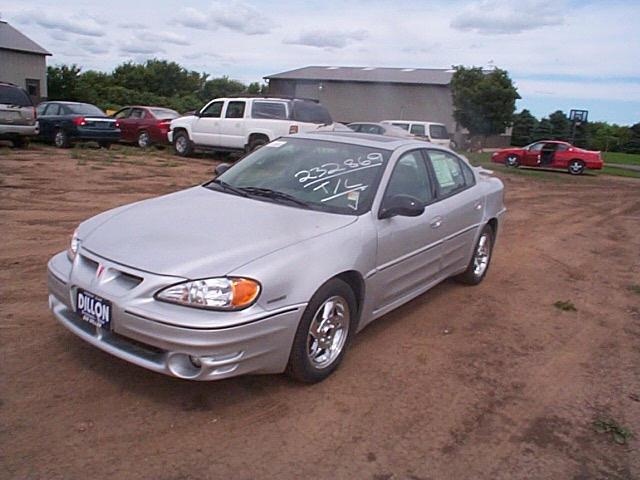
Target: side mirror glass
[
  {"x": 401, "y": 205},
  {"x": 221, "y": 168}
]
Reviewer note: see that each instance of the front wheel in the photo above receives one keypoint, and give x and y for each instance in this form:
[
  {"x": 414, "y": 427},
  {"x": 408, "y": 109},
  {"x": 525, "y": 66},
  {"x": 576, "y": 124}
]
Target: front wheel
[
  {"x": 182, "y": 144},
  {"x": 512, "y": 161},
  {"x": 61, "y": 139},
  {"x": 576, "y": 167},
  {"x": 144, "y": 140},
  {"x": 479, "y": 264},
  {"x": 324, "y": 333}
]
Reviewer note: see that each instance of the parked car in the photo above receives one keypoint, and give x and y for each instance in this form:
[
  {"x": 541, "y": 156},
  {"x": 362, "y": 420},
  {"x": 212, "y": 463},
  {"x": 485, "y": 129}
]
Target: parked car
[
  {"x": 279, "y": 261},
  {"x": 145, "y": 126},
  {"x": 435, "y": 133},
  {"x": 245, "y": 123},
  {"x": 17, "y": 115},
  {"x": 550, "y": 154},
  {"x": 380, "y": 129},
  {"x": 64, "y": 123}
]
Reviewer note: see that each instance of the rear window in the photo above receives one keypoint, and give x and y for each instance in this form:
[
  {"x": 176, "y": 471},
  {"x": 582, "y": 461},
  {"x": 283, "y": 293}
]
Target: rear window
[
  {"x": 14, "y": 96},
  {"x": 418, "y": 129},
  {"x": 274, "y": 110},
  {"x": 310, "y": 112},
  {"x": 438, "y": 131},
  {"x": 163, "y": 113},
  {"x": 84, "y": 109}
]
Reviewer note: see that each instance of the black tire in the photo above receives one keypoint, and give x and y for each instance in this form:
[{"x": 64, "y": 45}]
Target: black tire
[
  {"x": 105, "y": 145},
  {"x": 20, "y": 142},
  {"x": 576, "y": 167},
  {"x": 144, "y": 140},
  {"x": 300, "y": 366},
  {"x": 512, "y": 161},
  {"x": 61, "y": 139},
  {"x": 471, "y": 276},
  {"x": 257, "y": 143},
  {"x": 182, "y": 145}
]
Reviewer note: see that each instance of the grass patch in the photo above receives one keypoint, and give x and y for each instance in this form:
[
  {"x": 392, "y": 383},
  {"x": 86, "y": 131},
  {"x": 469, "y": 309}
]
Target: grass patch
[
  {"x": 565, "y": 306},
  {"x": 619, "y": 434},
  {"x": 619, "y": 172},
  {"x": 635, "y": 288},
  {"x": 625, "y": 158}
]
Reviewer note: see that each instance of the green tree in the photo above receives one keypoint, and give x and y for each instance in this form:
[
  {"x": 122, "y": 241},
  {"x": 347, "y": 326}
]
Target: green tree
[
  {"x": 483, "y": 102},
  {"x": 254, "y": 88},
  {"x": 542, "y": 131},
  {"x": 560, "y": 126},
  {"x": 633, "y": 144},
  {"x": 62, "y": 82},
  {"x": 222, "y": 87},
  {"x": 523, "y": 125}
]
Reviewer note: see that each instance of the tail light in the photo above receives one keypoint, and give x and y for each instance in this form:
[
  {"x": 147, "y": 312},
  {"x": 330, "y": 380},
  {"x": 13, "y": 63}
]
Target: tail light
[
  {"x": 293, "y": 129},
  {"x": 79, "y": 121},
  {"x": 35, "y": 113},
  {"x": 164, "y": 125},
  {"x": 117, "y": 123}
]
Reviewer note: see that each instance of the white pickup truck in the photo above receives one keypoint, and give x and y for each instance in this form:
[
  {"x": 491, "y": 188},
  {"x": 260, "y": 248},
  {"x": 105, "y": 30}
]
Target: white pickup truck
[{"x": 245, "y": 123}]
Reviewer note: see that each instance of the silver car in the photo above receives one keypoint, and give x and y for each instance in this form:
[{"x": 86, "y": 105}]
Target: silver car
[{"x": 276, "y": 264}]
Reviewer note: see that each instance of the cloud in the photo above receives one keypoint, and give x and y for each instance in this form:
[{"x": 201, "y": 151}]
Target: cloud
[
  {"x": 495, "y": 17},
  {"x": 95, "y": 47},
  {"x": 585, "y": 90},
  {"x": 161, "y": 37},
  {"x": 234, "y": 15},
  {"x": 78, "y": 24},
  {"x": 134, "y": 25},
  {"x": 328, "y": 39},
  {"x": 139, "y": 48}
]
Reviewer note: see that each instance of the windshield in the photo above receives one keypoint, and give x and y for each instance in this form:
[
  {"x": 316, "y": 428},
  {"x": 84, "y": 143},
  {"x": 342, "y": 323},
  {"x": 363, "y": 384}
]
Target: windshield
[
  {"x": 163, "y": 113},
  {"x": 331, "y": 176},
  {"x": 85, "y": 109}
]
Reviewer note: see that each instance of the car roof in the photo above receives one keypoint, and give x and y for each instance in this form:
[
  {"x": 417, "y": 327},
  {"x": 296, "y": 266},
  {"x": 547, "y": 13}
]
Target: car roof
[
  {"x": 363, "y": 139},
  {"x": 424, "y": 122}
]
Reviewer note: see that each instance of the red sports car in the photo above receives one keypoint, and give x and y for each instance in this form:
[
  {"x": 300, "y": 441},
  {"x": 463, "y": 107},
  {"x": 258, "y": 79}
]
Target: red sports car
[
  {"x": 145, "y": 125},
  {"x": 550, "y": 154}
]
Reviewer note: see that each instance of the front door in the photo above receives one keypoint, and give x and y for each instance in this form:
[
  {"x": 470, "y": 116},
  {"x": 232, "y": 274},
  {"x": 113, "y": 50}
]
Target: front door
[
  {"x": 531, "y": 156},
  {"x": 206, "y": 129},
  {"x": 409, "y": 248}
]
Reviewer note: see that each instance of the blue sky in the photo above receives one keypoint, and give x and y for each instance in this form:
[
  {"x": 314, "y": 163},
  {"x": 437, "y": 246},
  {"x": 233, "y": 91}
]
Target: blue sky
[{"x": 561, "y": 54}]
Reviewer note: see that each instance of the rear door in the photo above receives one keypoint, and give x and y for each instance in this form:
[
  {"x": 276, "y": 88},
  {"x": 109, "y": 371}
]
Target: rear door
[
  {"x": 461, "y": 203},
  {"x": 48, "y": 120},
  {"x": 232, "y": 126},
  {"x": 206, "y": 128}
]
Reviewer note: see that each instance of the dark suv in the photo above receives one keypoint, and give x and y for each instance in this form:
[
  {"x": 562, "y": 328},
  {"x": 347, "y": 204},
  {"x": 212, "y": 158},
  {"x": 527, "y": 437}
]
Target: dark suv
[{"x": 17, "y": 115}]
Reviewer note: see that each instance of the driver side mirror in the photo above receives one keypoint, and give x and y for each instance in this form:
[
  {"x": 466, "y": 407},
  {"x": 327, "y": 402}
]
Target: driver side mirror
[
  {"x": 221, "y": 168},
  {"x": 401, "y": 205}
]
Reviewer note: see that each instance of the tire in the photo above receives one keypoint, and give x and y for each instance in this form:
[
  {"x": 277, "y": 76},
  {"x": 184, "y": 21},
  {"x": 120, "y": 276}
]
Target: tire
[
  {"x": 481, "y": 259},
  {"x": 144, "y": 140},
  {"x": 182, "y": 145},
  {"x": 105, "y": 145},
  {"x": 19, "y": 142},
  {"x": 257, "y": 143},
  {"x": 512, "y": 161},
  {"x": 61, "y": 139},
  {"x": 334, "y": 300},
  {"x": 576, "y": 167}
]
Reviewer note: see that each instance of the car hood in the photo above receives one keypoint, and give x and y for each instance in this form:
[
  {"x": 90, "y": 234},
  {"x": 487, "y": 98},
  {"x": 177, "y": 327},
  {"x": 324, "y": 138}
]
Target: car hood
[{"x": 199, "y": 232}]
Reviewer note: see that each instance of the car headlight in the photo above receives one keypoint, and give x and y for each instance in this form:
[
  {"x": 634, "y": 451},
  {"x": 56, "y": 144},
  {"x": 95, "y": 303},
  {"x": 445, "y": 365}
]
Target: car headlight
[
  {"x": 223, "y": 293},
  {"x": 74, "y": 245}
]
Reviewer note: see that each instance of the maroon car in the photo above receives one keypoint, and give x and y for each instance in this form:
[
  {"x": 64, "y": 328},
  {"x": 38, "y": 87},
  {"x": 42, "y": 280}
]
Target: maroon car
[
  {"x": 550, "y": 154},
  {"x": 145, "y": 126}
]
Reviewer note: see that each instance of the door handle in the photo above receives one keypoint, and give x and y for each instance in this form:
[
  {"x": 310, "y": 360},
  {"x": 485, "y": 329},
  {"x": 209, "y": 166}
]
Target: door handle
[
  {"x": 478, "y": 206},
  {"x": 436, "y": 222}
]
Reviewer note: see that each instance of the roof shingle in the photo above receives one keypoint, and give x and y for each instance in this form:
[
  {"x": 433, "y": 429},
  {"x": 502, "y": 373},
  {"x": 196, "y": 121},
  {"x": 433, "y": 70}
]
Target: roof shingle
[{"x": 12, "y": 39}]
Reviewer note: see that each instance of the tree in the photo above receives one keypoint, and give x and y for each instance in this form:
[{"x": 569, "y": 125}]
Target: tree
[
  {"x": 62, "y": 82},
  {"x": 560, "y": 126},
  {"x": 222, "y": 87},
  {"x": 523, "y": 125},
  {"x": 542, "y": 130},
  {"x": 483, "y": 102}
]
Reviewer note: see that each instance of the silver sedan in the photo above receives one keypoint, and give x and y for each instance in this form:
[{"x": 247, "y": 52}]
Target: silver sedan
[{"x": 276, "y": 264}]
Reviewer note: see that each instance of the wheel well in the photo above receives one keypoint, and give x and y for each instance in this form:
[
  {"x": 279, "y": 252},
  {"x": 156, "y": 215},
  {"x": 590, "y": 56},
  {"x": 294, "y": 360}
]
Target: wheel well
[
  {"x": 493, "y": 223},
  {"x": 577, "y": 160},
  {"x": 256, "y": 136},
  {"x": 356, "y": 282},
  {"x": 179, "y": 130}
]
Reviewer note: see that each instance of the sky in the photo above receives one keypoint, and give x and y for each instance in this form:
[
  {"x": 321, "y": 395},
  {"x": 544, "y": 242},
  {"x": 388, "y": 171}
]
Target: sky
[{"x": 561, "y": 54}]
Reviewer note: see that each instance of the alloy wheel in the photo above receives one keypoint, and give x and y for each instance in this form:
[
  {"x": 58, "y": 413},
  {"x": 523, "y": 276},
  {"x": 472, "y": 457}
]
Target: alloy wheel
[
  {"x": 482, "y": 255},
  {"x": 328, "y": 332}
]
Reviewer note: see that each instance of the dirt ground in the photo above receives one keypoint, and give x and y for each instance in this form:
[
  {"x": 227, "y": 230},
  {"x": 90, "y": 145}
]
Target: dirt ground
[{"x": 486, "y": 382}]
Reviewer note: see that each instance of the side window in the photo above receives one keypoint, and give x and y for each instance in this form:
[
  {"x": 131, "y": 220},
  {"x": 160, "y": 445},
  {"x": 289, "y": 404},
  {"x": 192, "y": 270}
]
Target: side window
[
  {"x": 448, "y": 171},
  {"x": 137, "y": 113},
  {"x": 124, "y": 113},
  {"x": 41, "y": 108},
  {"x": 562, "y": 147},
  {"x": 417, "y": 129},
  {"x": 275, "y": 110},
  {"x": 410, "y": 177},
  {"x": 213, "y": 110},
  {"x": 536, "y": 147},
  {"x": 356, "y": 127},
  {"x": 52, "y": 109},
  {"x": 235, "y": 110}
]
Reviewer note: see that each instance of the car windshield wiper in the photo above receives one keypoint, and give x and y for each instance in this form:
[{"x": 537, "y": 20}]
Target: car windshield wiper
[
  {"x": 230, "y": 188},
  {"x": 275, "y": 194}
]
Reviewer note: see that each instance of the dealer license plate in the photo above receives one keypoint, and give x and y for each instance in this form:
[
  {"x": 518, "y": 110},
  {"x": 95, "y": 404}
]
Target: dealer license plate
[{"x": 93, "y": 309}]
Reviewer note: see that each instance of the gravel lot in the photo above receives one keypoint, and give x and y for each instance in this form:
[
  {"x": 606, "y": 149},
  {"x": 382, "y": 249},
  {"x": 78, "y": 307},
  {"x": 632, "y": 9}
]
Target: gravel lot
[{"x": 487, "y": 382}]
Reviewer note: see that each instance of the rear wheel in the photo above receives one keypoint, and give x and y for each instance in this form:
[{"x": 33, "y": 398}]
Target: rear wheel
[
  {"x": 257, "y": 143},
  {"x": 479, "y": 264},
  {"x": 19, "y": 142},
  {"x": 324, "y": 333},
  {"x": 512, "y": 161},
  {"x": 144, "y": 140},
  {"x": 182, "y": 145},
  {"x": 576, "y": 167},
  {"x": 61, "y": 139}
]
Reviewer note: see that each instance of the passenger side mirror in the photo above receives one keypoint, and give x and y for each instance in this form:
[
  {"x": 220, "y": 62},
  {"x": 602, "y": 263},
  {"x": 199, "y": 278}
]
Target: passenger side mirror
[
  {"x": 221, "y": 168},
  {"x": 401, "y": 205}
]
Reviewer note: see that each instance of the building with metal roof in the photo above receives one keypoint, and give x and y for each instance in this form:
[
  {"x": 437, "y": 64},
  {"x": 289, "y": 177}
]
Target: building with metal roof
[{"x": 22, "y": 61}]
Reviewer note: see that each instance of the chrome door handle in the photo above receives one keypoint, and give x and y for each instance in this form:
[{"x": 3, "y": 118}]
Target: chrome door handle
[
  {"x": 436, "y": 222},
  {"x": 478, "y": 206}
]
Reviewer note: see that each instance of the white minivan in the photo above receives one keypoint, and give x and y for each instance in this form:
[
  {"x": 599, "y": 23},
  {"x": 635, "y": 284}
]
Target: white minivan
[{"x": 435, "y": 133}]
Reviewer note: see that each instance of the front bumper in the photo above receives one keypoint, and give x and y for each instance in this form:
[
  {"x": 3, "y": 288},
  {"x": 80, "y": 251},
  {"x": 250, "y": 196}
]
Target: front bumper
[
  {"x": 259, "y": 342},
  {"x": 170, "y": 136}
]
